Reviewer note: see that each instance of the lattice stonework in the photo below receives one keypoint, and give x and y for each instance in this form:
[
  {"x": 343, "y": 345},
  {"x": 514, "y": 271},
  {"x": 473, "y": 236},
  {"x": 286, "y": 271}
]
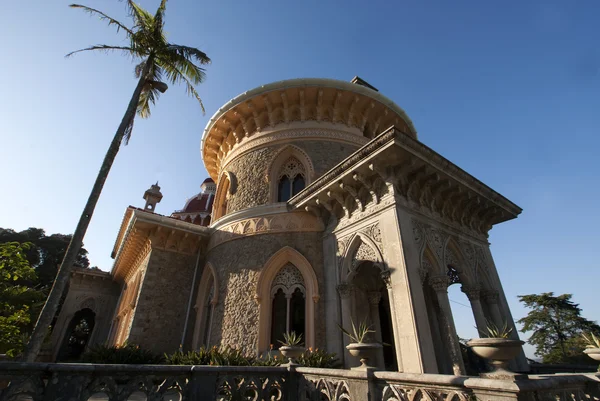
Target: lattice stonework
[
  {"x": 364, "y": 253},
  {"x": 291, "y": 168},
  {"x": 288, "y": 279}
]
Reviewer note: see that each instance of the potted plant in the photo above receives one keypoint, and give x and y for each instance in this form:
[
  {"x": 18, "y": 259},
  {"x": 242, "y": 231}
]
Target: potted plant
[
  {"x": 497, "y": 347},
  {"x": 592, "y": 348},
  {"x": 291, "y": 346},
  {"x": 358, "y": 347}
]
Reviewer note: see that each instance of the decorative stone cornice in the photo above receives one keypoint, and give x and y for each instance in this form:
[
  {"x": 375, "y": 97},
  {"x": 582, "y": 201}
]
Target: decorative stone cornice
[
  {"x": 397, "y": 165},
  {"x": 142, "y": 231},
  {"x": 297, "y": 100},
  {"x": 268, "y": 224}
]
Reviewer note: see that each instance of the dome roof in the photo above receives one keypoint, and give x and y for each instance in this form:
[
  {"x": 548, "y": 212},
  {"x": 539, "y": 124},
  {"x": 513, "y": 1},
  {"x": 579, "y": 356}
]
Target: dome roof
[
  {"x": 354, "y": 105},
  {"x": 208, "y": 181},
  {"x": 198, "y": 204}
]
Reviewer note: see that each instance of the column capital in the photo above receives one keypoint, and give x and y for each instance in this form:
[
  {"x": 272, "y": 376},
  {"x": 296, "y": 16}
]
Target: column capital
[
  {"x": 345, "y": 290},
  {"x": 386, "y": 275},
  {"x": 473, "y": 293},
  {"x": 374, "y": 297},
  {"x": 491, "y": 296},
  {"x": 439, "y": 283}
]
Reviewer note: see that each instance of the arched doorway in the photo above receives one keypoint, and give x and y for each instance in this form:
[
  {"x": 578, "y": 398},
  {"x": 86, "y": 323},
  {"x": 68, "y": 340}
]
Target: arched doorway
[
  {"x": 77, "y": 336},
  {"x": 372, "y": 304}
]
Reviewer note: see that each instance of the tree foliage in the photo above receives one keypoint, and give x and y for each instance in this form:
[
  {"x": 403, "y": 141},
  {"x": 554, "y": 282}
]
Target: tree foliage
[
  {"x": 557, "y": 327},
  {"x": 45, "y": 252},
  {"x": 157, "y": 58},
  {"x": 17, "y": 298}
]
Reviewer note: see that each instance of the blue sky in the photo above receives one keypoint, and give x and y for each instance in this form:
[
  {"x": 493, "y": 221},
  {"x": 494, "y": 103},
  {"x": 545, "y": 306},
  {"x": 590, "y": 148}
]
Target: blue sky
[{"x": 509, "y": 91}]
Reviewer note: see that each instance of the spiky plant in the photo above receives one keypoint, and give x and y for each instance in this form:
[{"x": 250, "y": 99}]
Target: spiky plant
[
  {"x": 291, "y": 339},
  {"x": 591, "y": 340},
  {"x": 493, "y": 331},
  {"x": 359, "y": 333},
  {"x": 156, "y": 59}
]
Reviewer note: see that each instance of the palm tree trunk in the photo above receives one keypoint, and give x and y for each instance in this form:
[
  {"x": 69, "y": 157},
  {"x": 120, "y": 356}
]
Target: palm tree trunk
[{"x": 64, "y": 271}]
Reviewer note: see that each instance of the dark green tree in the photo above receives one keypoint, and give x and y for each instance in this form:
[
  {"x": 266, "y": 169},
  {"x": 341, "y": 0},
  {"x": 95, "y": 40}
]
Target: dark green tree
[
  {"x": 557, "y": 327},
  {"x": 45, "y": 252},
  {"x": 17, "y": 299},
  {"x": 157, "y": 59}
]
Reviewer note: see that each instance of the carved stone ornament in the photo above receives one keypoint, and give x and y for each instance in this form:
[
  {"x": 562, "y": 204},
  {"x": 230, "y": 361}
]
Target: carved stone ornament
[
  {"x": 386, "y": 276},
  {"x": 291, "y": 168},
  {"x": 491, "y": 296},
  {"x": 288, "y": 279},
  {"x": 473, "y": 293},
  {"x": 374, "y": 232},
  {"x": 363, "y": 253},
  {"x": 345, "y": 290},
  {"x": 439, "y": 283}
]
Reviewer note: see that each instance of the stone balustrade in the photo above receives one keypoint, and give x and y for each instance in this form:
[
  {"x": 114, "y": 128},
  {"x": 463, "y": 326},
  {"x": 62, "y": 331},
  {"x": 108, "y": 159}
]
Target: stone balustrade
[{"x": 39, "y": 381}]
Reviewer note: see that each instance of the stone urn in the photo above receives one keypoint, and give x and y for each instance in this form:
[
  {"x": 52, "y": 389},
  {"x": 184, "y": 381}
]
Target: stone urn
[
  {"x": 363, "y": 351},
  {"x": 499, "y": 351},
  {"x": 291, "y": 353}
]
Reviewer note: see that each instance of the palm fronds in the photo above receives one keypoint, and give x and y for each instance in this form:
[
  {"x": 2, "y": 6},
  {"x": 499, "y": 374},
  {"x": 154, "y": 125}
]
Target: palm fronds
[{"x": 148, "y": 44}]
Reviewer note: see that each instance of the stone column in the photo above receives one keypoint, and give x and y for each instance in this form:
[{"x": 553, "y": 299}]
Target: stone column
[
  {"x": 491, "y": 299},
  {"x": 346, "y": 291},
  {"x": 374, "y": 299},
  {"x": 440, "y": 286},
  {"x": 474, "y": 294}
]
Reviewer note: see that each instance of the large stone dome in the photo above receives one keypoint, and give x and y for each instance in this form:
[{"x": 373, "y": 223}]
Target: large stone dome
[{"x": 355, "y": 107}]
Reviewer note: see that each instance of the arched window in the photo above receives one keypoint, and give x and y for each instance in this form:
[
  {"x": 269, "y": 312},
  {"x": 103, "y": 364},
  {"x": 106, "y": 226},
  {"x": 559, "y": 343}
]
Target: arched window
[
  {"x": 78, "y": 335},
  {"x": 290, "y": 179},
  {"x": 288, "y": 304},
  {"x": 205, "y": 307},
  {"x": 225, "y": 188}
]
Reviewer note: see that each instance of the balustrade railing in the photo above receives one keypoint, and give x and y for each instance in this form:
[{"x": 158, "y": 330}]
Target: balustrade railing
[{"x": 45, "y": 382}]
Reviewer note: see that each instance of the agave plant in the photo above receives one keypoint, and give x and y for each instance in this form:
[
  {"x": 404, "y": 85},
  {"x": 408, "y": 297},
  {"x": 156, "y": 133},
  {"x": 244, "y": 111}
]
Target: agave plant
[
  {"x": 591, "y": 340},
  {"x": 291, "y": 339},
  {"x": 494, "y": 331},
  {"x": 358, "y": 333}
]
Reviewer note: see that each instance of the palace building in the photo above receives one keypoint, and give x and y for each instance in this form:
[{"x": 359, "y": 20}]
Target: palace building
[{"x": 322, "y": 207}]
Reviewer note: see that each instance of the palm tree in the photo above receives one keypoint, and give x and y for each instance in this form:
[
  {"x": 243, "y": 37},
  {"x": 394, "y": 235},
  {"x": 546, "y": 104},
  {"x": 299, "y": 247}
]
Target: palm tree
[{"x": 157, "y": 59}]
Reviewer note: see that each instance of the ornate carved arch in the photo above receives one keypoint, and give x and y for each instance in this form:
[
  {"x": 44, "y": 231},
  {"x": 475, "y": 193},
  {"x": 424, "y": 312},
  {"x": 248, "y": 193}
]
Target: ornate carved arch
[
  {"x": 429, "y": 264},
  {"x": 226, "y": 186},
  {"x": 454, "y": 257},
  {"x": 361, "y": 248},
  {"x": 209, "y": 281},
  {"x": 263, "y": 293},
  {"x": 282, "y": 155}
]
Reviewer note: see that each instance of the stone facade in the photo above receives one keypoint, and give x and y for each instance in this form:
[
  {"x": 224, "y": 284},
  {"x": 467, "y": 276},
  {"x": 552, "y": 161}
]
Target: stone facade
[
  {"x": 251, "y": 169},
  {"x": 239, "y": 263},
  {"x": 312, "y": 180},
  {"x": 161, "y": 309}
]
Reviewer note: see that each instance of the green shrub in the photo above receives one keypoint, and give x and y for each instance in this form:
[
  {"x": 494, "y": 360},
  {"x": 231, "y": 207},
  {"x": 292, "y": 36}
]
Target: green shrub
[
  {"x": 125, "y": 354},
  {"x": 223, "y": 356},
  {"x": 318, "y": 359},
  {"x": 268, "y": 360}
]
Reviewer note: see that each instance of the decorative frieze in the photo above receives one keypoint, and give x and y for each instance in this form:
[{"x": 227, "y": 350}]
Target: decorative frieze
[{"x": 275, "y": 223}]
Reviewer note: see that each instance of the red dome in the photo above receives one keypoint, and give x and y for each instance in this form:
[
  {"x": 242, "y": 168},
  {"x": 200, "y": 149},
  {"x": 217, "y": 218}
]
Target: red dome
[{"x": 199, "y": 203}]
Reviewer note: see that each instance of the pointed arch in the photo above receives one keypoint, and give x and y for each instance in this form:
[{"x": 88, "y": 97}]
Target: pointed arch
[
  {"x": 429, "y": 263},
  {"x": 370, "y": 252},
  {"x": 453, "y": 256},
  {"x": 226, "y": 187},
  {"x": 206, "y": 299},
  {"x": 284, "y": 154},
  {"x": 263, "y": 293}
]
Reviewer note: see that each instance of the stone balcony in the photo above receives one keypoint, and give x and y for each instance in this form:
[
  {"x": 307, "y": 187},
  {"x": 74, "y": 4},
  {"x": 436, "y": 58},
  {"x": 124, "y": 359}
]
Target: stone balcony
[{"x": 40, "y": 381}]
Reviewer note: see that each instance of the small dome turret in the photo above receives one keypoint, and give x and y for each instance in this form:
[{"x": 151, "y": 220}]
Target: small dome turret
[{"x": 198, "y": 208}]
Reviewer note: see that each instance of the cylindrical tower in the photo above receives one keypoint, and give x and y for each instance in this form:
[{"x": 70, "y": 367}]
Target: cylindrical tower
[{"x": 265, "y": 264}]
